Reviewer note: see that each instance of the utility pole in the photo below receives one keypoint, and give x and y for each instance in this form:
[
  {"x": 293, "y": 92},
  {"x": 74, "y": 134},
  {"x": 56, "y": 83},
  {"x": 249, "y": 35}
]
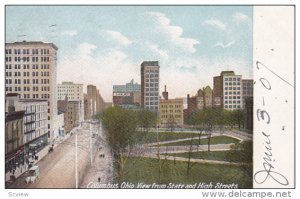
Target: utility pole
[
  {"x": 91, "y": 148},
  {"x": 76, "y": 169}
]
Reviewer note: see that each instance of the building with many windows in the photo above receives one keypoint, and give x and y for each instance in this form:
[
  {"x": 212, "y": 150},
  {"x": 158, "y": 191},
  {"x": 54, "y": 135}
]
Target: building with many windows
[
  {"x": 71, "y": 110},
  {"x": 171, "y": 111},
  {"x": 128, "y": 95},
  {"x": 14, "y": 145},
  {"x": 247, "y": 87},
  {"x": 150, "y": 85},
  {"x": 35, "y": 123},
  {"x": 30, "y": 70},
  {"x": 228, "y": 87},
  {"x": 74, "y": 92}
]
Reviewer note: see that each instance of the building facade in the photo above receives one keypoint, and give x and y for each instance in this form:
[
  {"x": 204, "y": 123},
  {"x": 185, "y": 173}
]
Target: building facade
[
  {"x": 71, "y": 110},
  {"x": 74, "y": 92},
  {"x": 204, "y": 98},
  {"x": 14, "y": 145},
  {"x": 150, "y": 85},
  {"x": 171, "y": 112},
  {"x": 128, "y": 95},
  {"x": 30, "y": 70},
  {"x": 247, "y": 85},
  {"x": 35, "y": 129},
  {"x": 94, "y": 101},
  {"x": 228, "y": 87}
]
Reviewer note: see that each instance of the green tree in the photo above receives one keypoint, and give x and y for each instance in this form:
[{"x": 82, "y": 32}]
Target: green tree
[
  {"x": 121, "y": 130},
  {"x": 242, "y": 153},
  {"x": 147, "y": 119}
]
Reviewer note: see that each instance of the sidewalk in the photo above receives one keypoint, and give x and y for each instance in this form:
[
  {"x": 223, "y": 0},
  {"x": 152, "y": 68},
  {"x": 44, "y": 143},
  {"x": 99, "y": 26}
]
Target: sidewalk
[{"x": 41, "y": 154}]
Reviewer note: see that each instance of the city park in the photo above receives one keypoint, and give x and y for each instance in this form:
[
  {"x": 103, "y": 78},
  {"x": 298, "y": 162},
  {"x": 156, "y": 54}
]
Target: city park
[{"x": 212, "y": 149}]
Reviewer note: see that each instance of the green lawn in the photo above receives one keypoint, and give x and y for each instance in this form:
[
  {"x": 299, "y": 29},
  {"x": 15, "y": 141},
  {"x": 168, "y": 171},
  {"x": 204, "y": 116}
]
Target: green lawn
[
  {"x": 150, "y": 137},
  {"x": 204, "y": 141},
  {"x": 145, "y": 170},
  {"x": 211, "y": 155}
]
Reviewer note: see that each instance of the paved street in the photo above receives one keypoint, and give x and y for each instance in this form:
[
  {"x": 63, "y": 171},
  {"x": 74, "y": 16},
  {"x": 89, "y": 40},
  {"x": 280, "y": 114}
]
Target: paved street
[{"x": 57, "y": 169}]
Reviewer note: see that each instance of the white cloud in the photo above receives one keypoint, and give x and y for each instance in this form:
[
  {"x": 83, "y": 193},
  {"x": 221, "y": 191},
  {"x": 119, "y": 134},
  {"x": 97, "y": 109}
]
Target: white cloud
[
  {"x": 222, "y": 45},
  {"x": 172, "y": 34},
  {"x": 215, "y": 23},
  {"x": 240, "y": 17},
  {"x": 70, "y": 33},
  {"x": 87, "y": 66},
  {"x": 163, "y": 55},
  {"x": 116, "y": 37}
]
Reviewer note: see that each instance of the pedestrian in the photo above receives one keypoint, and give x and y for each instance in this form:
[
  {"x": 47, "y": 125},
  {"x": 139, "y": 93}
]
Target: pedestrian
[
  {"x": 14, "y": 172},
  {"x": 99, "y": 179}
]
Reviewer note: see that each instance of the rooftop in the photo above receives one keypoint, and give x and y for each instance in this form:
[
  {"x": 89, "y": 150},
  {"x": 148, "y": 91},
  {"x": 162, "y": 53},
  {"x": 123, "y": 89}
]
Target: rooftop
[
  {"x": 150, "y": 63},
  {"x": 14, "y": 116},
  {"x": 32, "y": 43},
  {"x": 227, "y": 73}
]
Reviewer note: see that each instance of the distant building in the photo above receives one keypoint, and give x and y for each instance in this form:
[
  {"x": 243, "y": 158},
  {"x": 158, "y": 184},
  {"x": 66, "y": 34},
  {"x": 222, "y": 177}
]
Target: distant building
[
  {"x": 128, "y": 95},
  {"x": 87, "y": 108},
  {"x": 74, "y": 92},
  {"x": 171, "y": 111},
  {"x": 228, "y": 87},
  {"x": 30, "y": 70},
  {"x": 71, "y": 110},
  {"x": 150, "y": 85},
  {"x": 249, "y": 113},
  {"x": 247, "y": 85},
  {"x": 14, "y": 145},
  {"x": 95, "y": 101},
  {"x": 204, "y": 98},
  {"x": 61, "y": 123}
]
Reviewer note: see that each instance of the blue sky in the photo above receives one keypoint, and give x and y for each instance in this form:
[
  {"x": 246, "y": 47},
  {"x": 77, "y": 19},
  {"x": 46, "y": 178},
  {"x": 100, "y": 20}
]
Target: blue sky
[{"x": 105, "y": 45}]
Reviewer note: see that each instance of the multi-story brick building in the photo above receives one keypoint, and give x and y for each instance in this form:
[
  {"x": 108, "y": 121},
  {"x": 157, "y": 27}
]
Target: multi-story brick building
[{"x": 30, "y": 70}]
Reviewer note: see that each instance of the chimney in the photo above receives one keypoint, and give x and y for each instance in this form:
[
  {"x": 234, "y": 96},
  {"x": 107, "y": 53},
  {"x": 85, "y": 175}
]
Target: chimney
[{"x": 165, "y": 94}]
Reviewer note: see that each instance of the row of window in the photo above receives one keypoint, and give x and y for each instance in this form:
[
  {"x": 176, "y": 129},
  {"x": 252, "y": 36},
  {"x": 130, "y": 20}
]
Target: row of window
[
  {"x": 232, "y": 97},
  {"x": 152, "y": 85},
  {"x": 151, "y": 103},
  {"x": 232, "y": 93},
  {"x": 233, "y": 88},
  {"x": 232, "y": 83},
  {"x": 171, "y": 106},
  {"x": 232, "y": 106},
  {"x": 151, "y": 75},
  {"x": 152, "y": 89},
  {"x": 170, "y": 111},
  {"x": 232, "y": 79},
  {"x": 233, "y": 102},
  {"x": 26, "y": 51},
  {"x": 170, "y": 116},
  {"x": 26, "y": 66},
  {"x": 27, "y": 59}
]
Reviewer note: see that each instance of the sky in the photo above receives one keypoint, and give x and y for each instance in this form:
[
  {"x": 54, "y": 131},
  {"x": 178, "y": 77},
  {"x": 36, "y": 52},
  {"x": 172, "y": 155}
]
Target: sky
[{"x": 105, "y": 45}]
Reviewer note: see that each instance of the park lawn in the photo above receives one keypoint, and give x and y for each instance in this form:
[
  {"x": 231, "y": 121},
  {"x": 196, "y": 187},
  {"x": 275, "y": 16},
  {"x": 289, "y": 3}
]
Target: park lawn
[
  {"x": 212, "y": 155},
  {"x": 204, "y": 141},
  {"x": 145, "y": 170},
  {"x": 150, "y": 137}
]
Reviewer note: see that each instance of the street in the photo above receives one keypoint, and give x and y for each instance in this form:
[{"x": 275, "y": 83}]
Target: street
[{"x": 57, "y": 169}]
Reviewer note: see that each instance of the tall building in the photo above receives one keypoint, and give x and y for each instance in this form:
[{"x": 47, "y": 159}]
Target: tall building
[
  {"x": 30, "y": 70},
  {"x": 247, "y": 85},
  {"x": 94, "y": 101},
  {"x": 74, "y": 92},
  {"x": 150, "y": 85},
  {"x": 228, "y": 87},
  {"x": 128, "y": 95}
]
